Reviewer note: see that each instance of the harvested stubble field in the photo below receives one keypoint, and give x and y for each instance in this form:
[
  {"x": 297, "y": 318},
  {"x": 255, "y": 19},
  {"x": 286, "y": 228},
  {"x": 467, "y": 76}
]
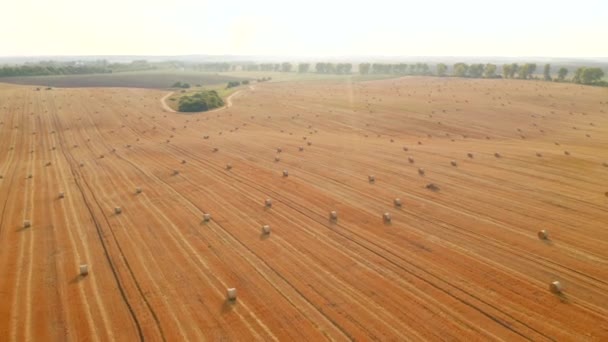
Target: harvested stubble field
[{"x": 461, "y": 261}]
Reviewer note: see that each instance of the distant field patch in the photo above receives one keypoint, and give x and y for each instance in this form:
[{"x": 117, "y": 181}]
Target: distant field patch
[{"x": 155, "y": 80}]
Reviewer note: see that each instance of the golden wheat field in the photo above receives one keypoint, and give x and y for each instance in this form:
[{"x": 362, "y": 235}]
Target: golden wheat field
[{"x": 440, "y": 187}]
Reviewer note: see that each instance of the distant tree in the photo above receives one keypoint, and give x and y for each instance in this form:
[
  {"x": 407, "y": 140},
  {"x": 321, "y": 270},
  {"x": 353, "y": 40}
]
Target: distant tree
[
  {"x": 233, "y": 84},
  {"x": 364, "y": 68},
  {"x": 344, "y": 68},
  {"x": 547, "y": 72},
  {"x": 422, "y": 69},
  {"x": 330, "y": 68},
  {"x": 489, "y": 71},
  {"x": 276, "y": 67},
  {"x": 526, "y": 70},
  {"x": 506, "y": 70},
  {"x": 267, "y": 67},
  {"x": 513, "y": 70},
  {"x": 590, "y": 75},
  {"x": 303, "y": 68},
  {"x": 577, "y": 75},
  {"x": 460, "y": 69},
  {"x": 561, "y": 74},
  {"x": 177, "y": 85},
  {"x": 286, "y": 67},
  {"x": 245, "y": 82},
  {"x": 441, "y": 69},
  {"x": 475, "y": 70},
  {"x": 400, "y": 69},
  {"x": 522, "y": 72},
  {"x": 320, "y": 68}
]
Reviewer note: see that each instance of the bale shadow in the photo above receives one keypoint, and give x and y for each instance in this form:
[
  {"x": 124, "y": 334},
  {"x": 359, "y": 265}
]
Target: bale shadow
[
  {"x": 21, "y": 229},
  {"x": 548, "y": 242},
  {"x": 264, "y": 236},
  {"x": 228, "y": 305},
  {"x": 77, "y": 279}
]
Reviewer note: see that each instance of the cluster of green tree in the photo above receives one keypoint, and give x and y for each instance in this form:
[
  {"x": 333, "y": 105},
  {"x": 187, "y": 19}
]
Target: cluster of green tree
[
  {"x": 200, "y": 101},
  {"x": 263, "y": 79},
  {"x": 233, "y": 84},
  {"x": 589, "y": 76},
  {"x": 136, "y": 65},
  {"x": 331, "y": 68},
  {"x": 216, "y": 67},
  {"x": 48, "y": 68},
  {"x": 394, "y": 69},
  {"x": 181, "y": 85},
  {"x": 282, "y": 67},
  {"x": 42, "y": 70}
]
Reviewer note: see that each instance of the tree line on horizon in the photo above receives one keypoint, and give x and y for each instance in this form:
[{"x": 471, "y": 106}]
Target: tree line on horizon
[{"x": 582, "y": 75}]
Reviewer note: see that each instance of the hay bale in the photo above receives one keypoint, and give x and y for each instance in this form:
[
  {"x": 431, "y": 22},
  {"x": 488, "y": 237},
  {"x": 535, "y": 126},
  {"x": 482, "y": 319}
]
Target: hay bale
[
  {"x": 29, "y": 175},
  {"x": 309, "y": 143},
  {"x": 61, "y": 195},
  {"x": 231, "y": 294},
  {"x": 497, "y": 155},
  {"x": 206, "y": 137},
  {"x": 371, "y": 178},
  {"x": 453, "y": 162},
  {"x": 421, "y": 171},
  {"x": 543, "y": 235},
  {"x": 48, "y": 163},
  {"x": 538, "y": 154},
  {"x": 206, "y": 217},
  {"x": 386, "y": 217},
  {"x": 84, "y": 270},
  {"x": 405, "y": 148},
  {"x": 81, "y": 164},
  {"x": 27, "y": 224},
  {"x": 117, "y": 210},
  {"x": 567, "y": 153},
  {"x": 410, "y": 159},
  {"x": 138, "y": 190},
  {"x": 301, "y": 148},
  {"x": 215, "y": 149},
  {"x": 101, "y": 156},
  {"x": 183, "y": 161},
  {"x": 470, "y": 155},
  {"x": 605, "y": 164},
  {"x": 268, "y": 203},
  {"x": 228, "y": 166},
  {"x": 333, "y": 215},
  {"x": 397, "y": 202},
  {"x": 556, "y": 287},
  {"x": 276, "y": 159},
  {"x": 285, "y": 173},
  {"x": 265, "y": 229},
  {"x": 175, "y": 172},
  {"x": 279, "y": 150}
]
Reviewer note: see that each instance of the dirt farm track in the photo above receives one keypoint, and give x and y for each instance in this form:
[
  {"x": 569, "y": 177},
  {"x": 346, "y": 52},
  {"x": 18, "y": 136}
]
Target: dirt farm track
[{"x": 459, "y": 262}]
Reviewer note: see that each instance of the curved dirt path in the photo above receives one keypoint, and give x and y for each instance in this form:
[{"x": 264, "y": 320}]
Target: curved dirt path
[
  {"x": 228, "y": 102},
  {"x": 164, "y": 104}
]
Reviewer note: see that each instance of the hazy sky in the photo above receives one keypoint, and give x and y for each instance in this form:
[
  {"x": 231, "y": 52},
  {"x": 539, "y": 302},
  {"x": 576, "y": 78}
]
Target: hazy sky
[{"x": 308, "y": 27}]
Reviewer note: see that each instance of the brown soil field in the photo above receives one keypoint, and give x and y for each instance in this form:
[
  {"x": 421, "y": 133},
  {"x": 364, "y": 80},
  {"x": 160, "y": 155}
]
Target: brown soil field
[{"x": 461, "y": 262}]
